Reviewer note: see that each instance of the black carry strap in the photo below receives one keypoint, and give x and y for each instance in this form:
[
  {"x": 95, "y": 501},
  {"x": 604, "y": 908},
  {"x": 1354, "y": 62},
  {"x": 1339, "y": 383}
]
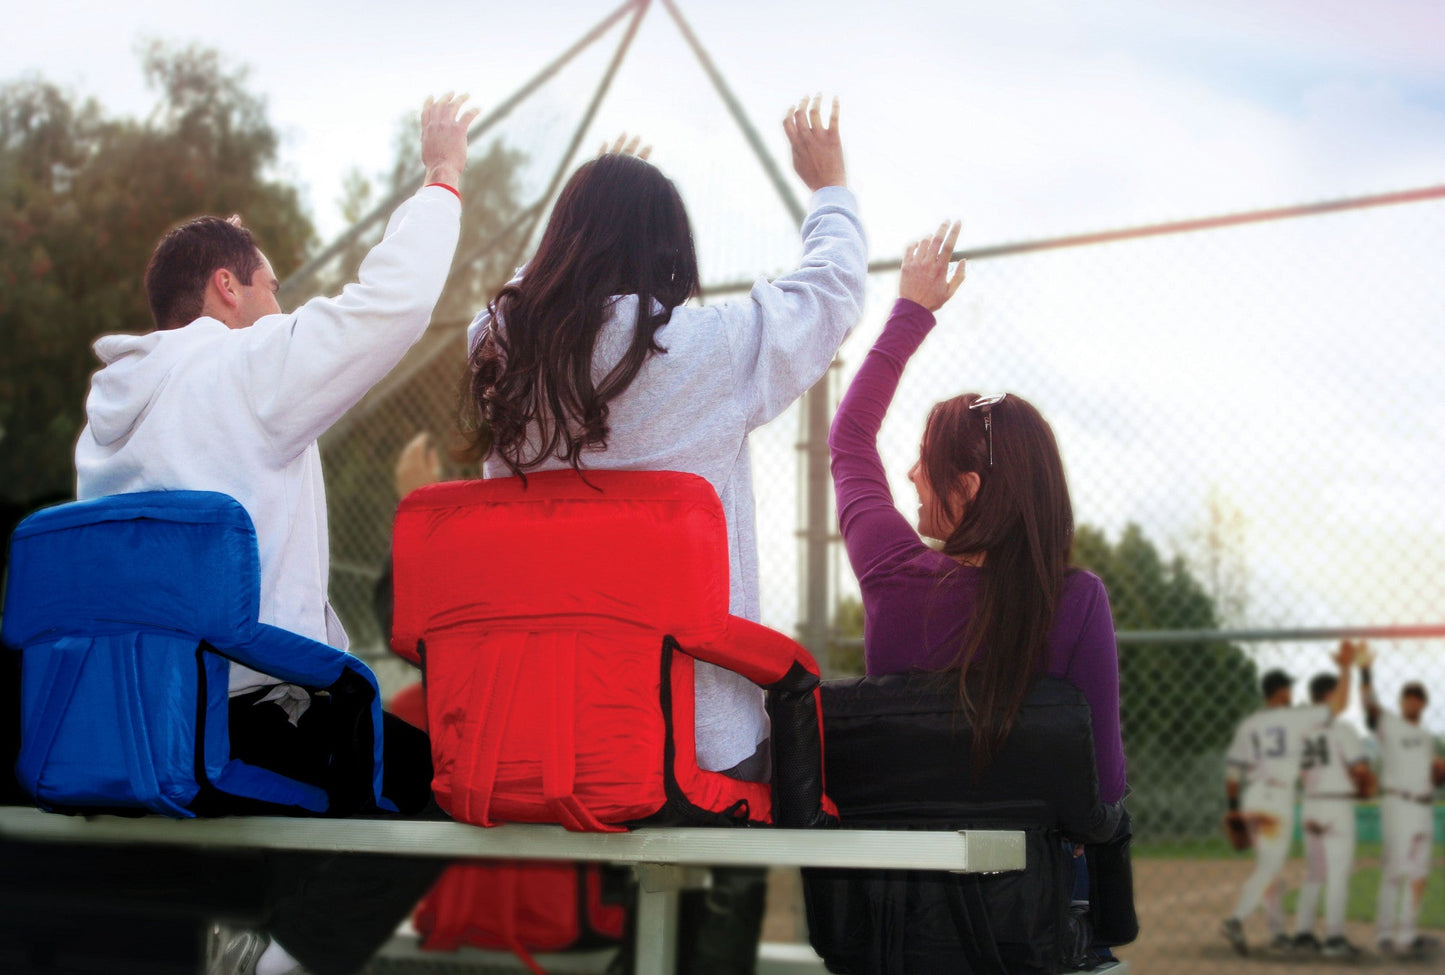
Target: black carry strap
[{"x": 1111, "y": 887}]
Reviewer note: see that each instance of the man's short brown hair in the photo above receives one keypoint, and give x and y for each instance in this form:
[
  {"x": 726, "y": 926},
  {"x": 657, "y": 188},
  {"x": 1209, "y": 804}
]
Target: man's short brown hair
[{"x": 184, "y": 261}]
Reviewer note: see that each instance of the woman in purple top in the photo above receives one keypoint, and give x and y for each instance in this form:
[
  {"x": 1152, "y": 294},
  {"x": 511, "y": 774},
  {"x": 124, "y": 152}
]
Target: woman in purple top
[{"x": 999, "y": 601}]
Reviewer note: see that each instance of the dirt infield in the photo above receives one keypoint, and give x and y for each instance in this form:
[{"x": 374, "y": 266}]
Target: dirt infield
[{"x": 1181, "y": 903}]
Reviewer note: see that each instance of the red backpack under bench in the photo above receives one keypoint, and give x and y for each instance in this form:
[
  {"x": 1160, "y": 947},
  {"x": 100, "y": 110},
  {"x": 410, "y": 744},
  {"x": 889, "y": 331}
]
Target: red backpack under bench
[
  {"x": 557, "y": 622},
  {"x": 519, "y": 906}
]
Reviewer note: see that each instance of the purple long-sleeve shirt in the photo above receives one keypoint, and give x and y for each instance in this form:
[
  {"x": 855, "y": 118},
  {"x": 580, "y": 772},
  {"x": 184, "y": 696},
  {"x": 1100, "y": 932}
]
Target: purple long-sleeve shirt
[{"x": 917, "y": 602}]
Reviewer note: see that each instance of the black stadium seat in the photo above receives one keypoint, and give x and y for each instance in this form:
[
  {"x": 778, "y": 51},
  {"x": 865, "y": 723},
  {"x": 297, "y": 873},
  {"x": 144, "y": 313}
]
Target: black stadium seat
[{"x": 897, "y": 756}]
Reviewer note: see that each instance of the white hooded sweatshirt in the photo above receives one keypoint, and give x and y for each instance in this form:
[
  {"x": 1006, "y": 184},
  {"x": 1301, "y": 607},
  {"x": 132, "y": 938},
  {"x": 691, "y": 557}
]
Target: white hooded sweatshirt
[{"x": 209, "y": 408}]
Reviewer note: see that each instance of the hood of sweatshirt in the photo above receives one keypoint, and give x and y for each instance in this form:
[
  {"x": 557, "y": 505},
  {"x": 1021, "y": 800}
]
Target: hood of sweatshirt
[{"x": 133, "y": 372}]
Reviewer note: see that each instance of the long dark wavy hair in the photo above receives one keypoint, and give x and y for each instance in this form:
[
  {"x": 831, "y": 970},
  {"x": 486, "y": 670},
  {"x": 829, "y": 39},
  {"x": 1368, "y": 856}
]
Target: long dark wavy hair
[
  {"x": 619, "y": 228},
  {"x": 1022, "y": 522}
]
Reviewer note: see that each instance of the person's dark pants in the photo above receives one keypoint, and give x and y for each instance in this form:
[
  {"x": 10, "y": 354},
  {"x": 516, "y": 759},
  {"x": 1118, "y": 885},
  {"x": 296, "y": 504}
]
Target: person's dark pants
[
  {"x": 332, "y": 911},
  {"x": 718, "y": 929}
]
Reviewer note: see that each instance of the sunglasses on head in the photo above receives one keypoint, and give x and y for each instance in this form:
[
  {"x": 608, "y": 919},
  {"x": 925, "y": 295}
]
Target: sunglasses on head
[{"x": 985, "y": 405}]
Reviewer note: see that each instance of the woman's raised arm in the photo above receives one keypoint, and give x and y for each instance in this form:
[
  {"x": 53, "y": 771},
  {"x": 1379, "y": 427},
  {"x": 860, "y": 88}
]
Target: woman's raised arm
[
  {"x": 874, "y": 531},
  {"x": 782, "y": 337}
]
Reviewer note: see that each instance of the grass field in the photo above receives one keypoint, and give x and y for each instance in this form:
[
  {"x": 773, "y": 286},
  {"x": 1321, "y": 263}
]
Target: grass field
[{"x": 1364, "y": 879}]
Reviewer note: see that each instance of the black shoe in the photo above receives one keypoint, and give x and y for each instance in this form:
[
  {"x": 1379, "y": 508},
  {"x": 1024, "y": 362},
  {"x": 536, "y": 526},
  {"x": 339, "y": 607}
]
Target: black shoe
[
  {"x": 1423, "y": 946},
  {"x": 1233, "y": 931},
  {"x": 1281, "y": 942},
  {"x": 1339, "y": 946},
  {"x": 1305, "y": 941}
]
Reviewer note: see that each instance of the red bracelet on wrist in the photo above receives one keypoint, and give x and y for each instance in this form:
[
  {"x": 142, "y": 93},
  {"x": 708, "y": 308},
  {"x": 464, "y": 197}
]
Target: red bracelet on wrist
[{"x": 451, "y": 189}]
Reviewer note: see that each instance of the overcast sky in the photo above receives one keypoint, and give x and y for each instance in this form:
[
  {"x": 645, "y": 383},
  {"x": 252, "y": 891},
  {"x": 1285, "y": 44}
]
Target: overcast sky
[
  {"x": 1294, "y": 370},
  {"x": 1016, "y": 115}
]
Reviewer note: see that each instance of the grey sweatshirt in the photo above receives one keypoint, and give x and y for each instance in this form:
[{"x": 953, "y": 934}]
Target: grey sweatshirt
[{"x": 729, "y": 368}]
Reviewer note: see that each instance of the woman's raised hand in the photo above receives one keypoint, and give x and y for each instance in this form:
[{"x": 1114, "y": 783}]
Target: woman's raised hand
[
  {"x": 817, "y": 151},
  {"x": 925, "y": 277},
  {"x": 626, "y": 147}
]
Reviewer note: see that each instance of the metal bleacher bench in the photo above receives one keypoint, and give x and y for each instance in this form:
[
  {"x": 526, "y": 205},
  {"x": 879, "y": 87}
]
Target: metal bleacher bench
[{"x": 666, "y": 859}]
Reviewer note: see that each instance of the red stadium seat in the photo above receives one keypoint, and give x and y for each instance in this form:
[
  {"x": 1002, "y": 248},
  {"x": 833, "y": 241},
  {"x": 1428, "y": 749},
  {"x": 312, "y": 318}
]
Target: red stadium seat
[{"x": 557, "y": 623}]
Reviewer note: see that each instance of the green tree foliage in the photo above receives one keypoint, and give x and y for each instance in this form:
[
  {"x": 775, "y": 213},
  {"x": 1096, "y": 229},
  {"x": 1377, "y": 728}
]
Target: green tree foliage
[
  {"x": 1179, "y": 703},
  {"x": 83, "y": 199}
]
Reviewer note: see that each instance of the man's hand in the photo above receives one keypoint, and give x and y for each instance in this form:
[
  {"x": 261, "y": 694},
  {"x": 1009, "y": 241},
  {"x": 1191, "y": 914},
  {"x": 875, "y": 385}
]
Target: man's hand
[
  {"x": 1364, "y": 656},
  {"x": 817, "y": 151},
  {"x": 1236, "y": 830},
  {"x": 924, "y": 278},
  {"x": 626, "y": 147},
  {"x": 444, "y": 139},
  {"x": 1348, "y": 653}
]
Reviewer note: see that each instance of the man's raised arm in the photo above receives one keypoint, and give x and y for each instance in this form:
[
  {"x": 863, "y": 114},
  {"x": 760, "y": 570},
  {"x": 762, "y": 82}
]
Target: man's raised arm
[
  {"x": 1365, "y": 659},
  {"x": 1345, "y": 657},
  {"x": 303, "y": 371}
]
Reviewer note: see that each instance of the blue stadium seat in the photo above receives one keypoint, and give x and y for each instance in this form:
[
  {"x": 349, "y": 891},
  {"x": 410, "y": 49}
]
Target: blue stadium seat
[{"x": 127, "y": 612}]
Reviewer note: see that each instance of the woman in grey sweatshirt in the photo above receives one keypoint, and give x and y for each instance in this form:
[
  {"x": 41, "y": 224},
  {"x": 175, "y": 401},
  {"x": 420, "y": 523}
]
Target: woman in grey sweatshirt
[{"x": 591, "y": 359}]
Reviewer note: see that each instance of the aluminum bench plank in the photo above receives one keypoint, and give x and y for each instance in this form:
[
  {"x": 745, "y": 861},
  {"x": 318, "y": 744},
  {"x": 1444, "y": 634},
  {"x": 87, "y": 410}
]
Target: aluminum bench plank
[{"x": 970, "y": 851}]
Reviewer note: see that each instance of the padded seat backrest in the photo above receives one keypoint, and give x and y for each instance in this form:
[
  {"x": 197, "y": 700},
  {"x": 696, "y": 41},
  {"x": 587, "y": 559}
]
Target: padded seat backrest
[
  {"x": 128, "y": 611},
  {"x": 174, "y": 560},
  {"x": 899, "y": 756},
  {"x": 899, "y": 742},
  {"x": 637, "y": 549},
  {"x": 557, "y": 623}
]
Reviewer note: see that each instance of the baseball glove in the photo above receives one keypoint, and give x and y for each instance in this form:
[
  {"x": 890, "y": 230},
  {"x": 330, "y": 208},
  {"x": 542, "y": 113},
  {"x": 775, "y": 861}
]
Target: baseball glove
[
  {"x": 1236, "y": 830},
  {"x": 1437, "y": 771}
]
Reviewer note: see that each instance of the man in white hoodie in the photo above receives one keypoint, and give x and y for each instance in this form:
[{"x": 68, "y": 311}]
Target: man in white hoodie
[{"x": 228, "y": 394}]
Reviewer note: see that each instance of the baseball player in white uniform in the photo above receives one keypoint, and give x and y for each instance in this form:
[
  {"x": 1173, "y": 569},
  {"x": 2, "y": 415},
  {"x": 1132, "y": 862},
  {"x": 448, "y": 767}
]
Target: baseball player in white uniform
[
  {"x": 1407, "y": 810},
  {"x": 1336, "y": 771},
  {"x": 1267, "y": 752}
]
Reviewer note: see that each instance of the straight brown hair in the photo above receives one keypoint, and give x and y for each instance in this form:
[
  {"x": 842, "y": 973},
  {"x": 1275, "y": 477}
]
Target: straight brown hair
[{"x": 1021, "y": 521}]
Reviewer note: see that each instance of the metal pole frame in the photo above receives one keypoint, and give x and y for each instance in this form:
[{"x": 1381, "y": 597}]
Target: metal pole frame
[
  {"x": 1243, "y": 218},
  {"x": 603, "y": 86},
  {"x": 816, "y": 501},
  {"x": 1298, "y": 634},
  {"x": 525, "y": 221},
  {"x": 735, "y": 109},
  {"x": 479, "y": 127}
]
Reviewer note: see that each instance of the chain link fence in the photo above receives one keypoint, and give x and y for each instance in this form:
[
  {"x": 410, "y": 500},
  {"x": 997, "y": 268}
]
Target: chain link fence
[
  {"x": 1244, "y": 411},
  {"x": 1255, "y": 458}
]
